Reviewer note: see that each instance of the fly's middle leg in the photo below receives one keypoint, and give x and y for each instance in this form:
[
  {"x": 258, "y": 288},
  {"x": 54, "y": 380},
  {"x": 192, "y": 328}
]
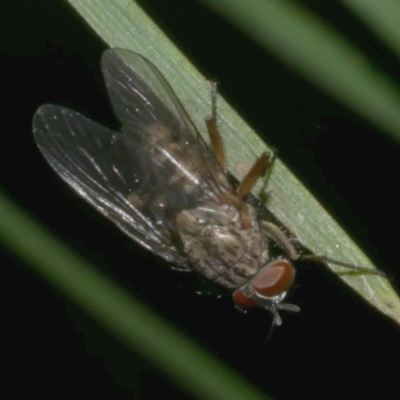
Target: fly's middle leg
[{"x": 258, "y": 169}]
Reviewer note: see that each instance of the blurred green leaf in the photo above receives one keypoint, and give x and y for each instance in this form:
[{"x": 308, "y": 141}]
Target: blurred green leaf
[
  {"x": 178, "y": 357},
  {"x": 312, "y": 48}
]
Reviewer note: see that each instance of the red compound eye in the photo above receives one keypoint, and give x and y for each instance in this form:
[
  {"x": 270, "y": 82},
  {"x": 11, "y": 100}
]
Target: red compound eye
[
  {"x": 243, "y": 301},
  {"x": 274, "y": 279}
]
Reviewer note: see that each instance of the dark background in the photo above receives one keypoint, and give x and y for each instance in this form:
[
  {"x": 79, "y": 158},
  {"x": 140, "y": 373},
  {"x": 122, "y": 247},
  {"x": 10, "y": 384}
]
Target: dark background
[{"x": 337, "y": 343}]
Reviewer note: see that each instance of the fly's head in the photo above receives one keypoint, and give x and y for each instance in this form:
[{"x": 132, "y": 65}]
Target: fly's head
[{"x": 267, "y": 289}]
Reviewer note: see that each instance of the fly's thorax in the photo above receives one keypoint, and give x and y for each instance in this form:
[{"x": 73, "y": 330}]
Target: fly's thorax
[
  {"x": 268, "y": 288},
  {"x": 179, "y": 161},
  {"x": 219, "y": 246}
]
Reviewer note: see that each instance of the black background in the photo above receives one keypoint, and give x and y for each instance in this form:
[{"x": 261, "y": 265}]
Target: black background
[{"x": 336, "y": 345}]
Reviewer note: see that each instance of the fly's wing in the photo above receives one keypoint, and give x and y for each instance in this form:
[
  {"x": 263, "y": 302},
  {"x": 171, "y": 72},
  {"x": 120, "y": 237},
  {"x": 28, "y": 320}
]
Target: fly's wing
[
  {"x": 90, "y": 158},
  {"x": 148, "y": 107},
  {"x": 142, "y": 177}
]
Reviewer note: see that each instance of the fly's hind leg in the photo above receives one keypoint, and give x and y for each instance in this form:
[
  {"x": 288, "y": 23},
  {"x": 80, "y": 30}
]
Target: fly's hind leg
[
  {"x": 215, "y": 137},
  {"x": 256, "y": 171}
]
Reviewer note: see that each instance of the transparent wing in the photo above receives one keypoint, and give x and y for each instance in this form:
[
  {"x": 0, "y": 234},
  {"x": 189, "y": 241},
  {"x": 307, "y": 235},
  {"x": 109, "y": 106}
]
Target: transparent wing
[
  {"x": 142, "y": 98},
  {"x": 141, "y": 177},
  {"x": 92, "y": 160}
]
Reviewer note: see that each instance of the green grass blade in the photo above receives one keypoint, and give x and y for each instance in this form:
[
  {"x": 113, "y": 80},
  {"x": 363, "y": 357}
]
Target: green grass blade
[
  {"x": 382, "y": 17},
  {"x": 124, "y": 24}
]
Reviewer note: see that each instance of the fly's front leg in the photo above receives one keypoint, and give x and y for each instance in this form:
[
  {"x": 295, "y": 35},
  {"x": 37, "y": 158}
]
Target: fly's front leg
[
  {"x": 215, "y": 137},
  {"x": 280, "y": 238}
]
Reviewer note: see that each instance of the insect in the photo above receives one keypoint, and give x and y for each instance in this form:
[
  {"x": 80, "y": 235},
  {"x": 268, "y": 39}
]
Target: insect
[{"x": 162, "y": 185}]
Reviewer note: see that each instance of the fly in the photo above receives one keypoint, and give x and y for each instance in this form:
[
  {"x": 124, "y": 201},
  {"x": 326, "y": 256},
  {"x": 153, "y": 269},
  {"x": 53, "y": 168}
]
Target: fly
[{"x": 162, "y": 185}]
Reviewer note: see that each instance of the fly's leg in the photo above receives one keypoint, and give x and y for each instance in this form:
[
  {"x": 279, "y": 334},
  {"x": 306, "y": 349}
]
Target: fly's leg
[
  {"x": 328, "y": 260},
  {"x": 279, "y": 237},
  {"x": 260, "y": 166},
  {"x": 256, "y": 171},
  {"x": 215, "y": 137}
]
